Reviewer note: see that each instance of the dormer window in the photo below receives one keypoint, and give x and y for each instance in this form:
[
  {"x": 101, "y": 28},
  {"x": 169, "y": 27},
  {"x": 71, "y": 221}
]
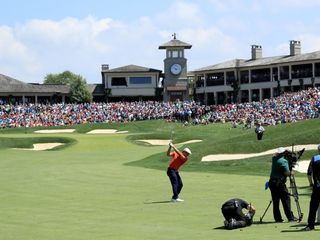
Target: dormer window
[{"x": 175, "y": 54}]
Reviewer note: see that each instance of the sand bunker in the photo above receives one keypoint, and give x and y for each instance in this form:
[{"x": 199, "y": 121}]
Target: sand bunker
[
  {"x": 42, "y": 146},
  {"x": 106, "y": 131},
  {"x": 56, "y": 131},
  {"x": 302, "y": 166},
  {"x": 223, "y": 157},
  {"x": 160, "y": 142}
]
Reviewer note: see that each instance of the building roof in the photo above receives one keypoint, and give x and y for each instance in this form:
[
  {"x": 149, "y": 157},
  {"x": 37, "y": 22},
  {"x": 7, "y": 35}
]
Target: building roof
[
  {"x": 6, "y": 80},
  {"x": 50, "y": 88},
  {"x": 96, "y": 89},
  {"x": 266, "y": 61},
  {"x": 131, "y": 69},
  {"x": 175, "y": 43},
  {"x": 11, "y": 85},
  {"x": 228, "y": 64}
]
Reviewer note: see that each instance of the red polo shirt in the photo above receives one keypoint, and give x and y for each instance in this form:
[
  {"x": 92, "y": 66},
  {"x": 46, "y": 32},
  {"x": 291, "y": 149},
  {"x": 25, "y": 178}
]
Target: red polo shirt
[{"x": 177, "y": 161}]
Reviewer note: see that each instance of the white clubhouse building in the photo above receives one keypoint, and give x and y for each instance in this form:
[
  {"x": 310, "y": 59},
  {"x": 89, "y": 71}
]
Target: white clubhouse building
[{"x": 257, "y": 78}]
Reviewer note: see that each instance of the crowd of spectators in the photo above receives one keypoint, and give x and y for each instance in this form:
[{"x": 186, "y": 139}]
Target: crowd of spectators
[{"x": 289, "y": 107}]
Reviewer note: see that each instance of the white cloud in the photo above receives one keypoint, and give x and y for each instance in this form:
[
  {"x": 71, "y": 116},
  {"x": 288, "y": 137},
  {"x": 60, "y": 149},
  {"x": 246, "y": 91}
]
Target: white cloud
[
  {"x": 37, "y": 47},
  {"x": 226, "y": 5},
  {"x": 282, "y": 48},
  {"x": 68, "y": 31},
  {"x": 15, "y": 56},
  {"x": 252, "y": 6},
  {"x": 297, "y": 3},
  {"x": 309, "y": 42},
  {"x": 180, "y": 15}
]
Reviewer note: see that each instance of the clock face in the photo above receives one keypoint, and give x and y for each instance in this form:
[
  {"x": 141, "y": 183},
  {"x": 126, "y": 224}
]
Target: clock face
[{"x": 176, "y": 69}]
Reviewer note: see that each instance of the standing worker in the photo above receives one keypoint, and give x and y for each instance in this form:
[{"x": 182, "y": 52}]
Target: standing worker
[
  {"x": 177, "y": 160},
  {"x": 314, "y": 168},
  {"x": 277, "y": 184},
  {"x": 259, "y": 131},
  {"x": 234, "y": 217},
  {"x": 310, "y": 178}
]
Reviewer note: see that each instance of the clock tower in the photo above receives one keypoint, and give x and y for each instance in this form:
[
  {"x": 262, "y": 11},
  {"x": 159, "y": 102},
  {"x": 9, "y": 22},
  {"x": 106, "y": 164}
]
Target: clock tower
[{"x": 175, "y": 83}]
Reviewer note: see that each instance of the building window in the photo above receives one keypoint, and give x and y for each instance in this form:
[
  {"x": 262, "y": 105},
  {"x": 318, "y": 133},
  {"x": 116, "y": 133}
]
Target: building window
[
  {"x": 200, "y": 81},
  {"x": 317, "y": 69},
  {"x": 221, "y": 98},
  {"x": 275, "y": 74},
  {"x": 284, "y": 72},
  {"x": 140, "y": 80},
  {"x": 244, "y": 76},
  {"x": 210, "y": 98},
  {"x": 119, "y": 81},
  {"x": 301, "y": 71},
  {"x": 266, "y": 93},
  {"x": 175, "y": 53},
  {"x": 230, "y": 77},
  {"x": 245, "y": 96},
  {"x": 215, "y": 79},
  {"x": 255, "y": 95},
  {"x": 260, "y": 75}
]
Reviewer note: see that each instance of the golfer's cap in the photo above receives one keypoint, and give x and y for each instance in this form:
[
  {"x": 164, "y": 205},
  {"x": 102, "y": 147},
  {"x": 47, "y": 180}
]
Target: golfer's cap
[
  {"x": 281, "y": 150},
  {"x": 187, "y": 150}
]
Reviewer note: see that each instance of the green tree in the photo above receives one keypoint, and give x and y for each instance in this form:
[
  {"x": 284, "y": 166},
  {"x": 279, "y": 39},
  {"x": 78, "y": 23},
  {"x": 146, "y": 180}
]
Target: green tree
[
  {"x": 78, "y": 85},
  {"x": 60, "y": 78},
  {"x": 79, "y": 91}
]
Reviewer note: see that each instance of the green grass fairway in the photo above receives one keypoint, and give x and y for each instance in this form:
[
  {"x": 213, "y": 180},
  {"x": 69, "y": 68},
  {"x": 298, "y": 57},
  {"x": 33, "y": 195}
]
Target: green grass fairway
[{"x": 111, "y": 187}]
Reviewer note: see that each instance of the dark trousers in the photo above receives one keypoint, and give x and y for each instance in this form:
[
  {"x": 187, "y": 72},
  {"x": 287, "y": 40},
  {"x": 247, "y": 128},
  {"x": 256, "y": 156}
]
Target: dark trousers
[
  {"x": 236, "y": 213},
  {"x": 176, "y": 182},
  {"x": 279, "y": 192},
  {"x": 259, "y": 135},
  {"x": 314, "y": 204}
]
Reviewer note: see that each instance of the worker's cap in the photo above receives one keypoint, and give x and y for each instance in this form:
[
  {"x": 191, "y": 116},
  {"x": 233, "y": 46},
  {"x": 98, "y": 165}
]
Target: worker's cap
[
  {"x": 281, "y": 150},
  {"x": 187, "y": 150}
]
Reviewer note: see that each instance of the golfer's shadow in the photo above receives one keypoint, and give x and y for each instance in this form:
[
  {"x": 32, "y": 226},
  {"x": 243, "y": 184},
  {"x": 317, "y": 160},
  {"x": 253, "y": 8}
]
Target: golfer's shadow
[
  {"x": 298, "y": 230},
  {"x": 157, "y": 202}
]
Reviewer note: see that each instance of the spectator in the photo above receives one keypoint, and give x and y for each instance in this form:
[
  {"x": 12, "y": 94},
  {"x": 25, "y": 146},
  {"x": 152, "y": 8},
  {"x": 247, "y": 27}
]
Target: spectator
[{"x": 289, "y": 107}]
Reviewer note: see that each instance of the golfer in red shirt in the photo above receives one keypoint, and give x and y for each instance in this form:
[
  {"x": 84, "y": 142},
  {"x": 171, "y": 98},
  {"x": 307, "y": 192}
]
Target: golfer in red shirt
[{"x": 177, "y": 160}]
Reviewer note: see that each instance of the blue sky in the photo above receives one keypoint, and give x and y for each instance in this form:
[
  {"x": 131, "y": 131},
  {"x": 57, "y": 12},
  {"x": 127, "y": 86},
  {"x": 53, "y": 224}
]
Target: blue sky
[{"x": 51, "y": 36}]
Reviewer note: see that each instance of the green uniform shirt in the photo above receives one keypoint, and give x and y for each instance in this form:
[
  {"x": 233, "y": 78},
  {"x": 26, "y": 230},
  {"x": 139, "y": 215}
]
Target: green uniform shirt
[{"x": 279, "y": 167}]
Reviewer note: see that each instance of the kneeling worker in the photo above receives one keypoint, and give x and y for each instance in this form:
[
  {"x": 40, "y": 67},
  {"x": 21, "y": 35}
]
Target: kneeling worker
[{"x": 234, "y": 217}]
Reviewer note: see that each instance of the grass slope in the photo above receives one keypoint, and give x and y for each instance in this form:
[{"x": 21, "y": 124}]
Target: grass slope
[{"x": 220, "y": 138}]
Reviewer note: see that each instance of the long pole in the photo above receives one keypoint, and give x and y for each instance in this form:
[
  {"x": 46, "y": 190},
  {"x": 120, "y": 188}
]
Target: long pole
[
  {"x": 265, "y": 211},
  {"x": 295, "y": 195}
]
